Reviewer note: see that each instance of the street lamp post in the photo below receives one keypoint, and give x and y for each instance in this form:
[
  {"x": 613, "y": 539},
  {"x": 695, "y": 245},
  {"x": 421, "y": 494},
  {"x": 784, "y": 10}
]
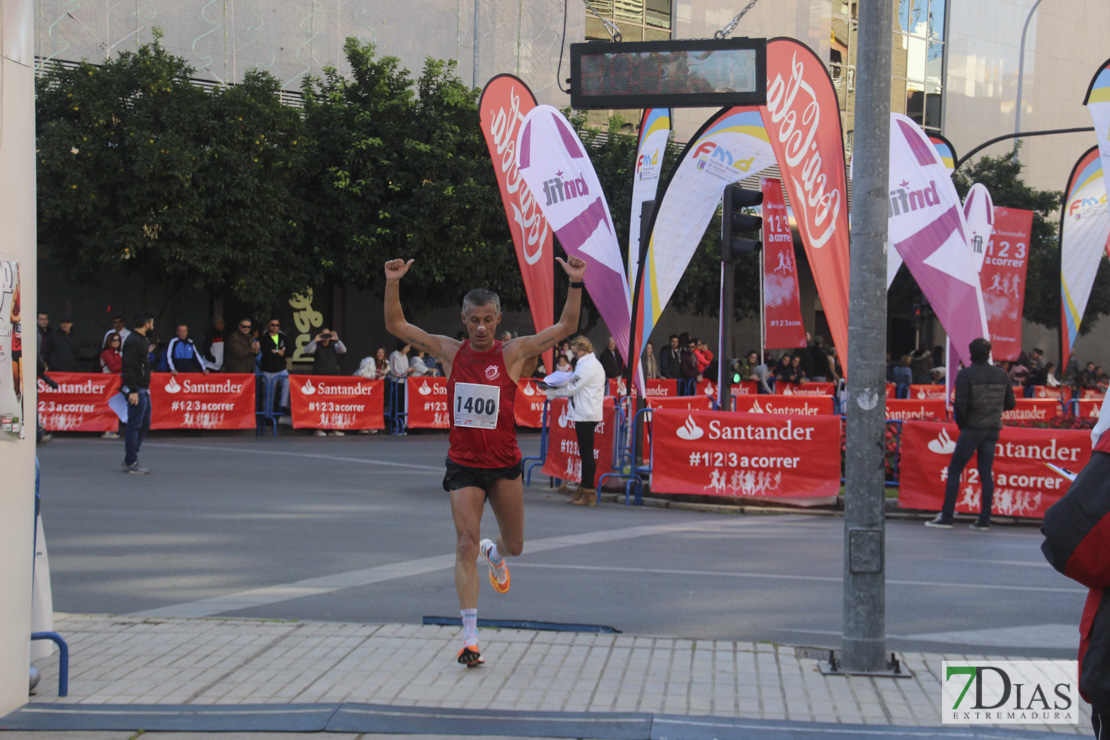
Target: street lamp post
[{"x": 1021, "y": 73}]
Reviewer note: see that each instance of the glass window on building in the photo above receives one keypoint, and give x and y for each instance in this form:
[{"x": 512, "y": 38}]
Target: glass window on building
[
  {"x": 918, "y": 61},
  {"x": 637, "y": 20}
]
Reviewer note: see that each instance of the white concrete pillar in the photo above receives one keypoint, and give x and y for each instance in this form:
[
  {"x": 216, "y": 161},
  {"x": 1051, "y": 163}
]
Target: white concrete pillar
[{"x": 17, "y": 240}]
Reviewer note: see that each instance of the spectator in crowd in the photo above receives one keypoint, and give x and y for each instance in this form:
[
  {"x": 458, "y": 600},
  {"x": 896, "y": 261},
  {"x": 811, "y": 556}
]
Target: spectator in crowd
[
  {"x": 118, "y": 326},
  {"x": 650, "y": 363},
  {"x": 272, "y": 363},
  {"x": 705, "y": 358},
  {"x": 921, "y": 362},
  {"x": 819, "y": 359},
  {"x": 1035, "y": 362},
  {"x": 212, "y": 344},
  {"x": 762, "y": 373},
  {"x": 805, "y": 362},
  {"x": 111, "y": 361},
  {"x": 381, "y": 364},
  {"x": 983, "y": 392},
  {"x": 585, "y": 392},
  {"x": 748, "y": 365},
  {"x": 562, "y": 364},
  {"x": 670, "y": 358},
  {"x": 1050, "y": 378},
  {"x": 42, "y": 320},
  {"x": 936, "y": 376},
  {"x": 902, "y": 375},
  {"x": 399, "y": 367},
  {"x": 564, "y": 350},
  {"x": 797, "y": 362},
  {"x": 1019, "y": 374},
  {"x": 60, "y": 348},
  {"x": 367, "y": 368},
  {"x": 610, "y": 360},
  {"x": 417, "y": 365},
  {"x": 784, "y": 370},
  {"x": 688, "y": 365},
  {"x": 325, "y": 349},
  {"x": 182, "y": 355},
  {"x": 1088, "y": 378},
  {"x": 240, "y": 349},
  {"x": 135, "y": 385}
]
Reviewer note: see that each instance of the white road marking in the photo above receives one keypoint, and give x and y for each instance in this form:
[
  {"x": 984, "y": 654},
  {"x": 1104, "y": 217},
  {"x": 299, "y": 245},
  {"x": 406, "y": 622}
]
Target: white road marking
[{"x": 355, "y": 578}]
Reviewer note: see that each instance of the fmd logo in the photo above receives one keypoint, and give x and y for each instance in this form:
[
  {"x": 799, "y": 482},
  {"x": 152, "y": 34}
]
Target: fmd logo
[
  {"x": 722, "y": 155},
  {"x": 1010, "y": 692}
]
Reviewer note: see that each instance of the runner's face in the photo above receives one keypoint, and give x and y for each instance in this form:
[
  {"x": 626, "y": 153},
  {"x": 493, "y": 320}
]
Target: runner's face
[{"x": 481, "y": 324}]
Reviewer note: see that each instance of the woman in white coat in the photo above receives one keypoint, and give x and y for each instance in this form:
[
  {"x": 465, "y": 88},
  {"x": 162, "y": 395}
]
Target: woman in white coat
[{"x": 585, "y": 392}]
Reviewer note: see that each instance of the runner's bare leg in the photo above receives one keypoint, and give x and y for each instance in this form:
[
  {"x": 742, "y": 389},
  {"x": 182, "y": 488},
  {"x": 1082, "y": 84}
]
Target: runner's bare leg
[
  {"x": 506, "y": 498},
  {"x": 466, "y": 510}
]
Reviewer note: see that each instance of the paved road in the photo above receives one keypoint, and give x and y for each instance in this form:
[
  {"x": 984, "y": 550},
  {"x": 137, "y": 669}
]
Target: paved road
[{"x": 358, "y": 529}]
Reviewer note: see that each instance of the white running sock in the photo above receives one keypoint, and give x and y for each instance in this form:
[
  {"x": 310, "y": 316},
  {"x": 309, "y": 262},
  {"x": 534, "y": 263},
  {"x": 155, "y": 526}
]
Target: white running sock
[
  {"x": 470, "y": 627},
  {"x": 494, "y": 556}
]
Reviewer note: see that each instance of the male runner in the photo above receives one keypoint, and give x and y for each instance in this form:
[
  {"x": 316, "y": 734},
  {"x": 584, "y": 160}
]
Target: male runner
[{"x": 483, "y": 461}]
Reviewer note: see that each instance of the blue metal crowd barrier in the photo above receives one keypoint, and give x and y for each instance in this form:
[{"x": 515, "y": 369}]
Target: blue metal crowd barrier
[
  {"x": 532, "y": 461},
  {"x": 268, "y": 393},
  {"x": 396, "y": 416}
]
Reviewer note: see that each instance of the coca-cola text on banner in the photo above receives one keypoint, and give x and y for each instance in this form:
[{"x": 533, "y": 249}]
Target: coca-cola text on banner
[{"x": 505, "y": 101}]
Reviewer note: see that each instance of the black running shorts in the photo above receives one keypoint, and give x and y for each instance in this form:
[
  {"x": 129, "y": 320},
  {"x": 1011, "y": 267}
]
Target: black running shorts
[{"x": 463, "y": 476}]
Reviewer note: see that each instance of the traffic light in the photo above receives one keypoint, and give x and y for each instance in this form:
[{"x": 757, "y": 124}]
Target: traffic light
[{"x": 735, "y": 223}]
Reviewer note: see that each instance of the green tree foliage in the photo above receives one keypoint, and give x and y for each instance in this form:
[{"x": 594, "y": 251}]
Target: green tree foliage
[
  {"x": 402, "y": 170},
  {"x": 141, "y": 170},
  {"x": 1002, "y": 176}
]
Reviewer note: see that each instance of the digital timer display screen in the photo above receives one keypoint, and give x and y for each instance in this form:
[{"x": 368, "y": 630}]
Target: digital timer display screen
[{"x": 704, "y": 73}]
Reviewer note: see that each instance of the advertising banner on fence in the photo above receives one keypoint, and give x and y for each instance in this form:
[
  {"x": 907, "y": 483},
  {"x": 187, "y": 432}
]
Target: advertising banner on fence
[
  {"x": 528, "y": 407},
  {"x": 716, "y": 453},
  {"x": 563, "y": 460},
  {"x": 921, "y": 392},
  {"x": 79, "y": 403},
  {"x": 806, "y": 389},
  {"x": 654, "y": 387},
  {"x": 1032, "y": 410},
  {"x": 337, "y": 402},
  {"x": 426, "y": 403},
  {"x": 702, "y": 403},
  {"x": 1084, "y": 230},
  {"x": 505, "y": 101},
  {"x": 1087, "y": 409},
  {"x": 796, "y": 405},
  {"x": 904, "y": 409},
  {"x": 557, "y": 168},
  {"x": 198, "y": 401},
  {"x": 1043, "y": 391},
  {"x": 1023, "y": 484},
  {"x": 782, "y": 310},
  {"x": 1003, "y": 280},
  {"x": 802, "y": 117},
  {"x": 13, "y": 365}
]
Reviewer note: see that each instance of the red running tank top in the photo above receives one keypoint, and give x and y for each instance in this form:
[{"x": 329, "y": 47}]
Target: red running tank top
[{"x": 470, "y": 445}]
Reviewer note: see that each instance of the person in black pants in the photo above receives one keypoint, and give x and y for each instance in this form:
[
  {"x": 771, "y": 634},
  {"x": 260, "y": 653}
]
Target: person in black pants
[{"x": 983, "y": 392}]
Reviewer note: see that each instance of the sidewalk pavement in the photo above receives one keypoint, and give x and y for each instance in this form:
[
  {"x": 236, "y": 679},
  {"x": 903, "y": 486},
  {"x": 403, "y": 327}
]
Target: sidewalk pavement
[{"x": 255, "y": 678}]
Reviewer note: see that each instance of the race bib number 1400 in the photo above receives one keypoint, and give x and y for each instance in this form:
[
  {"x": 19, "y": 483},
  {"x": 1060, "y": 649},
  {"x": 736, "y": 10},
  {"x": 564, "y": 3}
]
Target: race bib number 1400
[{"x": 476, "y": 405}]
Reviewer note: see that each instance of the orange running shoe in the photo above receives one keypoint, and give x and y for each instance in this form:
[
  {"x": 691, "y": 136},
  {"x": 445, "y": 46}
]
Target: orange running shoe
[
  {"x": 498, "y": 574},
  {"x": 470, "y": 657}
]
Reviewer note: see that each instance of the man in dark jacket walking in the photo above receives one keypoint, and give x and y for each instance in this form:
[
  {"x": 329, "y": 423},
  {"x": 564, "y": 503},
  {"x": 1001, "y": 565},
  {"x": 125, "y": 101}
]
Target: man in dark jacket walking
[
  {"x": 983, "y": 392},
  {"x": 135, "y": 385}
]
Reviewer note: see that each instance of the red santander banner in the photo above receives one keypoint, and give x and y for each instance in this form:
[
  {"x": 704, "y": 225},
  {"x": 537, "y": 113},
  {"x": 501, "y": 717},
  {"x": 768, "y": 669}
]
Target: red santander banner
[
  {"x": 796, "y": 405},
  {"x": 199, "y": 401},
  {"x": 904, "y": 409},
  {"x": 1023, "y": 485},
  {"x": 336, "y": 402},
  {"x": 563, "y": 460},
  {"x": 426, "y": 403},
  {"x": 1043, "y": 391},
  {"x": 654, "y": 387},
  {"x": 1003, "y": 280},
  {"x": 717, "y": 453},
  {"x": 1087, "y": 408},
  {"x": 79, "y": 403},
  {"x": 782, "y": 311},
  {"x": 802, "y": 117},
  {"x": 805, "y": 389},
  {"x": 1033, "y": 410},
  {"x": 921, "y": 392},
  {"x": 528, "y": 409},
  {"x": 504, "y": 103},
  {"x": 704, "y": 403}
]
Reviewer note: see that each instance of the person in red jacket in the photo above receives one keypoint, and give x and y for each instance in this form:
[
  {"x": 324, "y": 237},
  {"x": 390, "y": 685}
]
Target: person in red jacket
[
  {"x": 1077, "y": 543},
  {"x": 483, "y": 460}
]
